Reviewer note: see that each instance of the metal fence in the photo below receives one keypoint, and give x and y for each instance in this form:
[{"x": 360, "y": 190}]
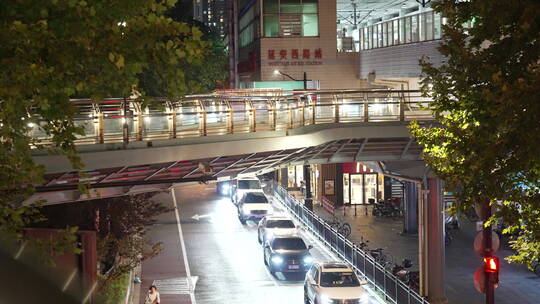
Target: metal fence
[
  {"x": 122, "y": 120},
  {"x": 393, "y": 289}
]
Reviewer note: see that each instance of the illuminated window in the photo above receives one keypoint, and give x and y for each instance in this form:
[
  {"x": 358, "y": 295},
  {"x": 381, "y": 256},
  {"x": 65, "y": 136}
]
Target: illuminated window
[
  {"x": 248, "y": 25},
  {"x": 291, "y": 18},
  {"x": 409, "y": 29}
]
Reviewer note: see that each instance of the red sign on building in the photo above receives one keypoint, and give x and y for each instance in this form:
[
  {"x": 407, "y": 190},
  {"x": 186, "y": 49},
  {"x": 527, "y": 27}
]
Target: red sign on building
[
  {"x": 295, "y": 54},
  {"x": 295, "y": 57}
]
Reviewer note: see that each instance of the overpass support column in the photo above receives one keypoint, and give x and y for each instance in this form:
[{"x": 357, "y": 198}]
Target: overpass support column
[
  {"x": 431, "y": 239},
  {"x": 410, "y": 222},
  {"x": 307, "y": 180},
  {"x": 284, "y": 177}
]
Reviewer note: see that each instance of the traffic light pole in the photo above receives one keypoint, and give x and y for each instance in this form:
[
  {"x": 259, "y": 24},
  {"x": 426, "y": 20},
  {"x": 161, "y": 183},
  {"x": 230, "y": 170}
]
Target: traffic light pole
[{"x": 489, "y": 287}]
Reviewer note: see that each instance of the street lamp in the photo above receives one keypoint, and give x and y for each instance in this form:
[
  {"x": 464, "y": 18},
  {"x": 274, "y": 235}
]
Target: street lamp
[{"x": 278, "y": 72}]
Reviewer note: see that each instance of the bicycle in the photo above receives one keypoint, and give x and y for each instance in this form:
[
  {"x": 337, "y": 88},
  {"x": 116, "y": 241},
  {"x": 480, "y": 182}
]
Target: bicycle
[{"x": 342, "y": 228}]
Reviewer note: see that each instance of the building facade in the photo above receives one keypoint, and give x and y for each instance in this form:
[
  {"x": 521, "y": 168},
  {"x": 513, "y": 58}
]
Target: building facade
[
  {"x": 213, "y": 13},
  {"x": 333, "y": 44}
]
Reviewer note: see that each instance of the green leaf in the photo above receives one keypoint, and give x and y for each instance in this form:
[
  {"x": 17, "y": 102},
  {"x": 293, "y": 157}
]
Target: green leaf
[{"x": 120, "y": 62}]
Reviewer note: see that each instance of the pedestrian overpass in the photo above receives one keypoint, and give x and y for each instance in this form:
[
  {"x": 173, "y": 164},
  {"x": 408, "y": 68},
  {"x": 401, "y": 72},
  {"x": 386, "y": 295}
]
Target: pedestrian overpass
[
  {"x": 129, "y": 146},
  {"x": 118, "y": 130}
]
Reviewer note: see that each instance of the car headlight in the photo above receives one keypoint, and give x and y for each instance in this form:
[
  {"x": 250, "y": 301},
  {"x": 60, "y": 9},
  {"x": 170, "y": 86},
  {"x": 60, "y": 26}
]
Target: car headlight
[
  {"x": 277, "y": 259},
  {"x": 308, "y": 259},
  {"x": 365, "y": 298},
  {"x": 326, "y": 299},
  {"x": 245, "y": 209},
  {"x": 225, "y": 189}
]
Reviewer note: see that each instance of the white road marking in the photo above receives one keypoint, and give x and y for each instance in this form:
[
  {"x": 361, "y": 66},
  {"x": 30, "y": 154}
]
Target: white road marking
[
  {"x": 183, "y": 245},
  {"x": 182, "y": 285}
]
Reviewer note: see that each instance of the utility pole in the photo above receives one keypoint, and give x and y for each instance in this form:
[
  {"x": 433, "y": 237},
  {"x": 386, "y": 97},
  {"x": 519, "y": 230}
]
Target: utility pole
[
  {"x": 233, "y": 47},
  {"x": 487, "y": 233},
  {"x": 125, "y": 126},
  {"x": 354, "y": 15},
  {"x": 307, "y": 179}
]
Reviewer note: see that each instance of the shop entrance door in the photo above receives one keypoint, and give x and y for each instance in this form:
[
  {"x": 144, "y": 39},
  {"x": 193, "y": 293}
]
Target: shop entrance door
[
  {"x": 357, "y": 189},
  {"x": 346, "y": 198},
  {"x": 371, "y": 187}
]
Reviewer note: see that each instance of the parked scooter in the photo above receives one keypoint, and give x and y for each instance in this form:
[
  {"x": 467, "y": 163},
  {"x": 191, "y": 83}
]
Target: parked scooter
[
  {"x": 363, "y": 245},
  {"x": 400, "y": 271},
  {"x": 386, "y": 209},
  {"x": 379, "y": 256},
  {"x": 413, "y": 280}
]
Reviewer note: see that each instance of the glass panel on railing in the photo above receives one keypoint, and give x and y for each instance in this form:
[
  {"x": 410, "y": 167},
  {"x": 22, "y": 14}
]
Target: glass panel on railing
[
  {"x": 414, "y": 28},
  {"x": 429, "y": 25},
  {"x": 155, "y": 124},
  {"x": 402, "y": 30},
  {"x": 240, "y": 116},
  {"x": 262, "y": 113},
  {"x": 350, "y": 110},
  {"x": 89, "y": 127},
  {"x": 396, "y": 31},
  {"x": 187, "y": 116},
  {"x": 37, "y": 132},
  {"x": 436, "y": 26},
  {"x": 383, "y": 109},
  {"x": 113, "y": 125}
]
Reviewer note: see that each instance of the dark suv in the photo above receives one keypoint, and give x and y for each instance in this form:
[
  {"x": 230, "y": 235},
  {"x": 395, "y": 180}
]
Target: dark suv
[{"x": 287, "y": 254}]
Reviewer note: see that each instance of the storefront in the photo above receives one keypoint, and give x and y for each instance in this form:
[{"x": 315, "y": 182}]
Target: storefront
[
  {"x": 347, "y": 183},
  {"x": 361, "y": 185}
]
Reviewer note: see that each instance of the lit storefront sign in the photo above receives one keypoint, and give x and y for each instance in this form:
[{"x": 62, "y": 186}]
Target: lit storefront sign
[{"x": 294, "y": 57}]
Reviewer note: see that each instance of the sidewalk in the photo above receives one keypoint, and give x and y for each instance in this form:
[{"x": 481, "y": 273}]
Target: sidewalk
[
  {"x": 167, "y": 270},
  {"x": 517, "y": 284}
]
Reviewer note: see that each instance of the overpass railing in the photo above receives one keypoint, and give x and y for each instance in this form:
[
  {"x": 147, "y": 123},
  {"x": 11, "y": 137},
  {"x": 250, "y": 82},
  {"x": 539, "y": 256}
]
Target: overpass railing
[
  {"x": 125, "y": 120},
  {"x": 392, "y": 289}
]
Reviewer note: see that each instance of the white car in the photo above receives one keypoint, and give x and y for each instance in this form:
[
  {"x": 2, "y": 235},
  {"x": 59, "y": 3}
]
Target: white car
[
  {"x": 253, "y": 206},
  {"x": 271, "y": 226},
  {"x": 243, "y": 185},
  {"x": 334, "y": 282}
]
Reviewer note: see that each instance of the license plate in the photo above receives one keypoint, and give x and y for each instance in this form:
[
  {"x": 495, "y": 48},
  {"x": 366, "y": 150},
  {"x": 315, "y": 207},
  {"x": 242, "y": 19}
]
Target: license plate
[{"x": 294, "y": 266}]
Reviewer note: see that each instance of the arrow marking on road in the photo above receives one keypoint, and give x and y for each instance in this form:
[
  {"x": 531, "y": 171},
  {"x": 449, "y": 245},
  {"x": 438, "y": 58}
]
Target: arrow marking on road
[{"x": 198, "y": 217}]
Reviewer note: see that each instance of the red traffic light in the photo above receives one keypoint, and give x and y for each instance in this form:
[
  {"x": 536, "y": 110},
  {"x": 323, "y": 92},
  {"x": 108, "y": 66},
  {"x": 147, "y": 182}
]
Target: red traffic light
[{"x": 491, "y": 264}]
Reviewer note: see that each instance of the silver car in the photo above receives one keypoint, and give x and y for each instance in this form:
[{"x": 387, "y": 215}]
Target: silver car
[{"x": 271, "y": 226}]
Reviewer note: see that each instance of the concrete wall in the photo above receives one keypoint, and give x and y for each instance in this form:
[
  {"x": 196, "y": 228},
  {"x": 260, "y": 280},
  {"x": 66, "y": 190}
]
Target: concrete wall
[{"x": 397, "y": 61}]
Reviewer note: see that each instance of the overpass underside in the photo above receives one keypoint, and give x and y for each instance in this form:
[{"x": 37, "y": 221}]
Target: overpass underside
[{"x": 131, "y": 179}]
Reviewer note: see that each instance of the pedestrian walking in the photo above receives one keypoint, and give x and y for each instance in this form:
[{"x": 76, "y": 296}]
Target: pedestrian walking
[{"x": 153, "y": 296}]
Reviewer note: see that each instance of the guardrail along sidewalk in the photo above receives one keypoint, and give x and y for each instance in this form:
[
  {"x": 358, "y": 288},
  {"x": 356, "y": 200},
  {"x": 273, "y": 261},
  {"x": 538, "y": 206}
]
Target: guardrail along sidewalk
[{"x": 393, "y": 289}]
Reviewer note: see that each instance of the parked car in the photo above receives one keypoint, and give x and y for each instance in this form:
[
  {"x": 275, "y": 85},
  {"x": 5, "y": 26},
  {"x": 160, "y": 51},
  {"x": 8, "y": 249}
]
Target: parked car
[
  {"x": 334, "y": 282},
  {"x": 287, "y": 254},
  {"x": 253, "y": 206},
  {"x": 271, "y": 226},
  {"x": 243, "y": 185}
]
